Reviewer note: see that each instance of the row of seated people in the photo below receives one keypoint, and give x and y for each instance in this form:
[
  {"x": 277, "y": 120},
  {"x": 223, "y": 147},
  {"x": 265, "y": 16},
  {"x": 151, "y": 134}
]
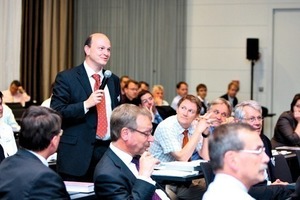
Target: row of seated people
[{"x": 189, "y": 107}]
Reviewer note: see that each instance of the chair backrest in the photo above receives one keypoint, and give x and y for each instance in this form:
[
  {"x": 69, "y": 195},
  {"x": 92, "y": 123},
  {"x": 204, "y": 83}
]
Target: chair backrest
[
  {"x": 281, "y": 169},
  {"x": 17, "y": 110},
  {"x": 298, "y": 157},
  {"x": 208, "y": 172}
]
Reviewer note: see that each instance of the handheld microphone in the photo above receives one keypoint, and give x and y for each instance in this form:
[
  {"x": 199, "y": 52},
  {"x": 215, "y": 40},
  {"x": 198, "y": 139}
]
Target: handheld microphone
[{"x": 106, "y": 74}]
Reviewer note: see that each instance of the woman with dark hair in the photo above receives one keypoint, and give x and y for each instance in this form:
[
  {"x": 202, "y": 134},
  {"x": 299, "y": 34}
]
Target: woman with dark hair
[{"x": 287, "y": 129}]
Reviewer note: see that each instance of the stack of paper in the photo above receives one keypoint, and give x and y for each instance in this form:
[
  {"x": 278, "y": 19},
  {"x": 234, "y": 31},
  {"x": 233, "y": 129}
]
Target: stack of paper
[
  {"x": 181, "y": 166},
  {"x": 84, "y": 187}
]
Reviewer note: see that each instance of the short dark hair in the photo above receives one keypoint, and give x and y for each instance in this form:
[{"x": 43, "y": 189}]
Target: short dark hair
[
  {"x": 38, "y": 126},
  {"x": 131, "y": 81},
  {"x": 201, "y": 85},
  {"x": 16, "y": 83},
  {"x": 295, "y": 99},
  {"x": 143, "y": 82},
  {"x": 181, "y": 83}
]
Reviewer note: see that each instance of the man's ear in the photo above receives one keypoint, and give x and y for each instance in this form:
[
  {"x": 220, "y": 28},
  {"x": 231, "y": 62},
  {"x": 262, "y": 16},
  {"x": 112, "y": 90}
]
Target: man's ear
[
  {"x": 232, "y": 160},
  {"x": 125, "y": 133},
  {"x": 87, "y": 50}
]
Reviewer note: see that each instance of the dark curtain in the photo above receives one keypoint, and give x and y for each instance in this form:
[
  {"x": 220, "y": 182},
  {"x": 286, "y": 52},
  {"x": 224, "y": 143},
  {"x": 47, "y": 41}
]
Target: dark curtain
[{"x": 31, "y": 48}]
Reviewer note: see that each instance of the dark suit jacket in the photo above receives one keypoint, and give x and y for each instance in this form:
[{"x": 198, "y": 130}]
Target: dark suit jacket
[
  {"x": 235, "y": 100},
  {"x": 113, "y": 180},
  {"x": 24, "y": 176},
  {"x": 284, "y": 134},
  {"x": 2, "y": 156},
  {"x": 165, "y": 111},
  {"x": 71, "y": 89}
]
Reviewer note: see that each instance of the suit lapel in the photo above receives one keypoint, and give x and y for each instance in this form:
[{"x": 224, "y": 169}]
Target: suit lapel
[
  {"x": 84, "y": 80},
  {"x": 120, "y": 164}
]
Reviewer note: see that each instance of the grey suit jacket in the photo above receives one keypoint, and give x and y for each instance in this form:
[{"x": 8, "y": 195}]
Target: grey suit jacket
[
  {"x": 71, "y": 89},
  {"x": 24, "y": 176}
]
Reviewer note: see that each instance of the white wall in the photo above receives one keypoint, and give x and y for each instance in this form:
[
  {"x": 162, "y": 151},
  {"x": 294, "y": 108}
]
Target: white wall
[
  {"x": 216, "y": 46},
  {"x": 10, "y": 41}
]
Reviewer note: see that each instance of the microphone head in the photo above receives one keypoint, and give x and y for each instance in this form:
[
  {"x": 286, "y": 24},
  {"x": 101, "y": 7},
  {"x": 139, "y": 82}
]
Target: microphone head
[{"x": 107, "y": 73}]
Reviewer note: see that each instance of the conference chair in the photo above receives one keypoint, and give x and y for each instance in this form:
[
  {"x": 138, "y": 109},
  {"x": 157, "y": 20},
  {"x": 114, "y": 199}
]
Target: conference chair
[
  {"x": 281, "y": 169},
  {"x": 208, "y": 173}
]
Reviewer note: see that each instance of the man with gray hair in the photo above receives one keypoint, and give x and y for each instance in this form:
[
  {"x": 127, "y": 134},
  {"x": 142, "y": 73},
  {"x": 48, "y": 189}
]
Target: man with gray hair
[
  {"x": 119, "y": 174},
  {"x": 238, "y": 158},
  {"x": 250, "y": 112}
]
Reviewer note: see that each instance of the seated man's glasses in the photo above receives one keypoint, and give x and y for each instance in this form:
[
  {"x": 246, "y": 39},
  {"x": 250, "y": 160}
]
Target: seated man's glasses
[
  {"x": 146, "y": 133},
  {"x": 252, "y": 119},
  {"x": 256, "y": 152}
]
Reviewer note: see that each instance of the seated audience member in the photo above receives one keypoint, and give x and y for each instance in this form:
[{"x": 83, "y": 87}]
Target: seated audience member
[
  {"x": 181, "y": 138},
  {"x": 159, "y": 113},
  {"x": 123, "y": 80},
  {"x": 158, "y": 94},
  {"x": 237, "y": 157},
  {"x": 15, "y": 94},
  {"x": 9, "y": 118},
  {"x": 220, "y": 113},
  {"x": 27, "y": 175},
  {"x": 7, "y": 138},
  {"x": 182, "y": 91},
  {"x": 250, "y": 112},
  {"x": 130, "y": 92},
  {"x": 120, "y": 174},
  {"x": 201, "y": 90},
  {"x": 287, "y": 128},
  {"x": 143, "y": 85},
  {"x": 232, "y": 90}
]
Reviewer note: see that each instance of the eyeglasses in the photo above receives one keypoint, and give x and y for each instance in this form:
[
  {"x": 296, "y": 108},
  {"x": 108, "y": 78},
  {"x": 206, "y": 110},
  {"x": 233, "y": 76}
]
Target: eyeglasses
[
  {"x": 191, "y": 111},
  {"x": 256, "y": 152},
  {"x": 252, "y": 119},
  {"x": 223, "y": 114},
  {"x": 146, "y": 133}
]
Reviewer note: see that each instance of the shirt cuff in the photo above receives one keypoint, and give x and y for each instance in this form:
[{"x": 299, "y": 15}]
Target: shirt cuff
[{"x": 149, "y": 180}]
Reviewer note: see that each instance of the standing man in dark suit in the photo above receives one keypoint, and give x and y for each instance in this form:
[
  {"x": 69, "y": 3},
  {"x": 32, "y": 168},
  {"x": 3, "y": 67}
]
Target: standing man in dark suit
[
  {"x": 26, "y": 174},
  {"x": 117, "y": 175},
  {"x": 232, "y": 90},
  {"x": 77, "y": 99}
]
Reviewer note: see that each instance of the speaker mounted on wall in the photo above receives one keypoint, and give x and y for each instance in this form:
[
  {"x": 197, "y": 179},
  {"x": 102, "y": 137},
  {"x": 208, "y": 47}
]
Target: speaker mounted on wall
[{"x": 252, "y": 48}]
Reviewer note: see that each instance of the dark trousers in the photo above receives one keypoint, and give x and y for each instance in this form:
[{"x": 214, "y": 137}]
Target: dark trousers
[{"x": 100, "y": 148}]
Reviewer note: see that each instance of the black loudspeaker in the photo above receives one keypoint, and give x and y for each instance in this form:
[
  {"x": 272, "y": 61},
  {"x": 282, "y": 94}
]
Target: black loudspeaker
[{"x": 252, "y": 49}]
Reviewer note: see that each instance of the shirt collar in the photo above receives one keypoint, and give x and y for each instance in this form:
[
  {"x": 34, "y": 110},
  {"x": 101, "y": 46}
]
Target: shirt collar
[
  {"x": 125, "y": 157},
  {"x": 42, "y": 159},
  {"x": 91, "y": 72}
]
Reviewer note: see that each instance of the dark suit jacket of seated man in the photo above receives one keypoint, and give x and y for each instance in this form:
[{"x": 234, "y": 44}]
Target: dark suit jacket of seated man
[
  {"x": 116, "y": 177},
  {"x": 26, "y": 175}
]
